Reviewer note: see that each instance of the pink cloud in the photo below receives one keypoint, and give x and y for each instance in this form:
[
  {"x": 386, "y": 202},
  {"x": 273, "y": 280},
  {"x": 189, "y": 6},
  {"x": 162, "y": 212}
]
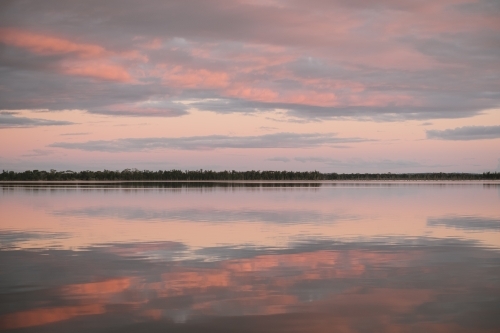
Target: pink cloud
[
  {"x": 342, "y": 53},
  {"x": 435, "y": 19},
  {"x": 88, "y": 60},
  {"x": 43, "y": 44},
  {"x": 256, "y": 72},
  {"x": 99, "y": 70},
  {"x": 314, "y": 98},
  {"x": 196, "y": 78},
  {"x": 275, "y": 96},
  {"x": 43, "y": 316},
  {"x": 153, "y": 44},
  {"x": 317, "y": 98},
  {"x": 256, "y": 57},
  {"x": 380, "y": 100},
  {"x": 253, "y": 93}
]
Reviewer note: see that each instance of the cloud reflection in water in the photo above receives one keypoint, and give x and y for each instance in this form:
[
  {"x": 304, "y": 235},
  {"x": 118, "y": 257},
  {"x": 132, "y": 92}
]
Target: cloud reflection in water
[
  {"x": 432, "y": 286},
  {"x": 357, "y": 258}
]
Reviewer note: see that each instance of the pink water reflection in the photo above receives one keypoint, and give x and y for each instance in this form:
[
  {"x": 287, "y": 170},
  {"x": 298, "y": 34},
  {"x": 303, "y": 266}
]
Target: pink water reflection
[
  {"x": 347, "y": 259},
  {"x": 263, "y": 216}
]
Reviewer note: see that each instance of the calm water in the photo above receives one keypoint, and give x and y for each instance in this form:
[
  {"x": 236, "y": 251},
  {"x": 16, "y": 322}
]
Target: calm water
[{"x": 205, "y": 257}]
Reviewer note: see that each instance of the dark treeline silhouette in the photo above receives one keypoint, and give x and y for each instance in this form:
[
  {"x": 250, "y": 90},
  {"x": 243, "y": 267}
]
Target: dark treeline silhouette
[{"x": 170, "y": 175}]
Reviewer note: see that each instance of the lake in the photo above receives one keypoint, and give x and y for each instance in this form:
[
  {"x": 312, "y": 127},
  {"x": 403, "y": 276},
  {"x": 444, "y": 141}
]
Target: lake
[{"x": 250, "y": 257}]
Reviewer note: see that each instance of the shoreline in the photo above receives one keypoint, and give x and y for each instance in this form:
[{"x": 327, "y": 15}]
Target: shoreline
[{"x": 75, "y": 182}]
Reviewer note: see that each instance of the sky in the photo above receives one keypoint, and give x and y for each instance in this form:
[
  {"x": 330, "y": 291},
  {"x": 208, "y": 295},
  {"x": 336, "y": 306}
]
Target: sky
[{"x": 327, "y": 85}]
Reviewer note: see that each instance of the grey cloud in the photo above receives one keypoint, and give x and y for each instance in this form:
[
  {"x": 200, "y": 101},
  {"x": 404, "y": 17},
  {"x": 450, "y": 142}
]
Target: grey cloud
[
  {"x": 367, "y": 4},
  {"x": 278, "y": 140},
  {"x": 473, "y": 223},
  {"x": 278, "y": 159},
  {"x": 361, "y": 165},
  {"x": 38, "y": 152},
  {"x": 23, "y": 60},
  {"x": 466, "y": 133},
  {"x": 486, "y": 8},
  {"x": 462, "y": 82},
  {"x": 12, "y": 239},
  {"x": 172, "y": 111},
  {"x": 206, "y": 19},
  {"x": 312, "y": 112},
  {"x": 21, "y": 90},
  {"x": 202, "y": 19},
  {"x": 75, "y": 133},
  {"x": 9, "y": 120},
  {"x": 477, "y": 48},
  {"x": 316, "y": 159},
  {"x": 439, "y": 96}
]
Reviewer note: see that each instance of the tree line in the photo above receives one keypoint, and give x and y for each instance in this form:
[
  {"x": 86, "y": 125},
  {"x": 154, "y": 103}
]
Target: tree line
[{"x": 179, "y": 175}]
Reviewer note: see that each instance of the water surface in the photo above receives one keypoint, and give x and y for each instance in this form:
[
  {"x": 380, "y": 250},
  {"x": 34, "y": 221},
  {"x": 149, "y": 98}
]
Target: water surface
[{"x": 258, "y": 257}]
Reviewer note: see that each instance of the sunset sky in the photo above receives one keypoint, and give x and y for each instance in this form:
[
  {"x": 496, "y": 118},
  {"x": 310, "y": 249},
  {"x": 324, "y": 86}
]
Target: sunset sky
[{"x": 327, "y": 85}]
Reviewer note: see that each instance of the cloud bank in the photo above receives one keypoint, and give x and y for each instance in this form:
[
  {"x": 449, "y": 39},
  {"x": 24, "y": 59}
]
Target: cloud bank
[
  {"x": 277, "y": 140},
  {"x": 384, "y": 61},
  {"x": 466, "y": 133},
  {"x": 10, "y": 120}
]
